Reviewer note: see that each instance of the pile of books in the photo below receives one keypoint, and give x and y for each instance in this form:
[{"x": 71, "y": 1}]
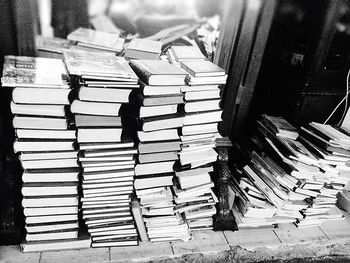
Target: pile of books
[
  {"x": 298, "y": 173},
  {"x": 157, "y": 117},
  {"x": 104, "y": 83},
  {"x": 178, "y": 54},
  {"x": 45, "y": 143},
  {"x": 202, "y": 114},
  {"x": 93, "y": 40},
  {"x": 195, "y": 198}
]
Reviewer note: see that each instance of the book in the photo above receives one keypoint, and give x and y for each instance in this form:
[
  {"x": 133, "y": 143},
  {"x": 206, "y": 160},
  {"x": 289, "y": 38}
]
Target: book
[
  {"x": 200, "y": 87},
  {"x": 61, "y": 226},
  {"x": 38, "y": 110},
  {"x": 161, "y": 135},
  {"x": 154, "y": 147},
  {"x": 161, "y": 122},
  {"x": 154, "y": 168},
  {"x": 187, "y": 53},
  {"x": 38, "y": 246},
  {"x": 202, "y": 69},
  {"x": 50, "y": 175},
  {"x": 99, "y": 135},
  {"x": 45, "y": 134},
  {"x": 46, "y": 123},
  {"x": 42, "y": 96},
  {"x": 188, "y": 157},
  {"x": 202, "y": 95},
  {"x": 52, "y": 44},
  {"x": 45, "y": 190},
  {"x": 24, "y": 145},
  {"x": 158, "y": 72},
  {"x": 21, "y": 71},
  {"x": 137, "y": 214},
  {"x": 26, "y": 156},
  {"x": 158, "y": 157},
  {"x": 39, "y": 211},
  {"x": 97, "y": 39},
  {"x": 160, "y": 100},
  {"x": 104, "y": 94},
  {"x": 50, "y": 163},
  {"x": 122, "y": 173},
  {"x": 143, "y": 49},
  {"x": 280, "y": 126},
  {"x": 123, "y": 152},
  {"x": 202, "y": 105},
  {"x": 97, "y": 121},
  {"x": 148, "y": 90},
  {"x": 99, "y": 66},
  {"x": 153, "y": 181},
  {"x": 95, "y": 108},
  {"x": 199, "y": 129},
  {"x": 202, "y": 117},
  {"x": 105, "y": 145},
  {"x": 50, "y": 202},
  {"x": 55, "y": 235},
  {"x": 158, "y": 110},
  {"x": 190, "y": 80}
]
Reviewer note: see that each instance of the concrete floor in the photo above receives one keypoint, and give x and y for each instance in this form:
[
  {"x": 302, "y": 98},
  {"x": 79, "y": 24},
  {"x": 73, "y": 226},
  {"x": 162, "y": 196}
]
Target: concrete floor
[{"x": 327, "y": 243}]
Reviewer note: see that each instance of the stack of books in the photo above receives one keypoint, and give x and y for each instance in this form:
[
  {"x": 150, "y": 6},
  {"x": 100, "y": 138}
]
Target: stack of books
[
  {"x": 103, "y": 84},
  {"x": 250, "y": 208},
  {"x": 46, "y": 146},
  {"x": 178, "y": 54},
  {"x": 93, "y": 40},
  {"x": 195, "y": 198},
  {"x": 202, "y": 113},
  {"x": 156, "y": 112}
]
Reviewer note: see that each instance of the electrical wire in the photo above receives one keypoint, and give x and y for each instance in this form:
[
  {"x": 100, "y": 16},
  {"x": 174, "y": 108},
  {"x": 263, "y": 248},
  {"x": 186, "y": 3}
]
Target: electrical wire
[
  {"x": 347, "y": 97},
  {"x": 346, "y": 102}
]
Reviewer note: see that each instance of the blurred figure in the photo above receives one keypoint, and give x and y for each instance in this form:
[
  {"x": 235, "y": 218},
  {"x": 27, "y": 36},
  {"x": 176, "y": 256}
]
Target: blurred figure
[{"x": 68, "y": 15}]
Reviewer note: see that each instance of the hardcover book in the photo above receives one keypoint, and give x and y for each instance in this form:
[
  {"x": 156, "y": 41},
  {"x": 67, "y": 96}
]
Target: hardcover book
[
  {"x": 97, "y": 39},
  {"x": 158, "y": 72},
  {"x": 20, "y": 71}
]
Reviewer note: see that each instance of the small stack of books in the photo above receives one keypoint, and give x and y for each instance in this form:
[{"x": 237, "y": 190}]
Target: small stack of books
[
  {"x": 178, "y": 54},
  {"x": 93, "y": 40},
  {"x": 202, "y": 114},
  {"x": 195, "y": 198},
  {"x": 158, "y": 120},
  {"x": 140, "y": 48},
  {"x": 45, "y": 143},
  {"x": 251, "y": 209},
  {"x": 103, "y": 84}
]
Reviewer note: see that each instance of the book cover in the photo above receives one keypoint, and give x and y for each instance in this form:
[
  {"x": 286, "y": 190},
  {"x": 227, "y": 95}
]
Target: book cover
[
  {"x": 158, "y": 72},
  {"x": 21, "y": 71}
]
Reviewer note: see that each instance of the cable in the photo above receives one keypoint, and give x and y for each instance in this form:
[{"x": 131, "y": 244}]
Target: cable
[{"x": 346, "y": 102}]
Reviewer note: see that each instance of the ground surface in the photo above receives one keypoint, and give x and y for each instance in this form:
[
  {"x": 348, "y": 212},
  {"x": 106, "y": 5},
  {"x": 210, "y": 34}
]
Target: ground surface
[{"x": 327, "y": 243}]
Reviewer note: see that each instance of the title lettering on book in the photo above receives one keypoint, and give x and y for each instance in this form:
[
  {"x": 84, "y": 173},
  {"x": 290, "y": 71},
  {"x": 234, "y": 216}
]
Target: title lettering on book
[{"x": 30, "y": 64}]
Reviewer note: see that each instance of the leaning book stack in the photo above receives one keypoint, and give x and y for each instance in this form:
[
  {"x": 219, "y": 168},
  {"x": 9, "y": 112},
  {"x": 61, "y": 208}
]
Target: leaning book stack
[
  {"x": 299, "y": 173},
  {"x": 103, "y": 83},
  {"x": 157, "y": 117},
  {"x": 202, "y": 113},
  {"x": 46, "y": 146}
]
